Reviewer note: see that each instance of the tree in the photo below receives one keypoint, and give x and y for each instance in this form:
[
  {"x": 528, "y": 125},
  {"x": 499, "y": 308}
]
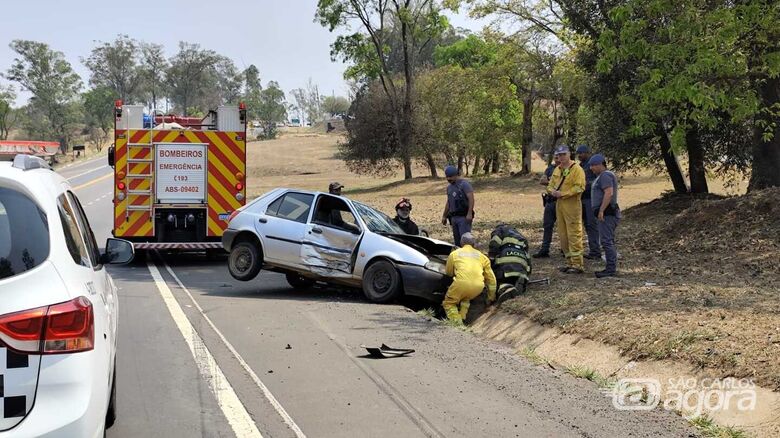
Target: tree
[
  {"x": 252, "y": 89},
  {"x": 189, "y": 74},
  {"x": 54, "y": 87},
  {"x": 369, "y": 51},
  {"x": 313, "y": 102},
  {"x": 116, "y": 65},
  {"x": 8, "y": 115},
  {"x": 153, "y": 67},
  {"x": 272, "y": 109},
  {"x": 99, "y": 111},
  {"x": 334, "y": 105},
  {"x": 300, "y": 105}
]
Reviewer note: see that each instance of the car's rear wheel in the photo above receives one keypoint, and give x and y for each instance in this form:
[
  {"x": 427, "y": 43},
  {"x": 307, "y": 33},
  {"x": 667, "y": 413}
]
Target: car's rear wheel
[
  {"x": 382, "y": 282},
  {"x": 299, "y": 281},
  {"x": 111, "y": 413},
  {"x": 245, "y": 261}
]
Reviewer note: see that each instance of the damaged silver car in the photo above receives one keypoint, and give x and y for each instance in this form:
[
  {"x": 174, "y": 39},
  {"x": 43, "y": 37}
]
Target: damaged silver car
[{"x": 317, "y": 237}]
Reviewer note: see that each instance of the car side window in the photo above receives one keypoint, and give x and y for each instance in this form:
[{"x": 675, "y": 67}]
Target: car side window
[
  {"x": 292, "y": 206},
  {"x": 89, "y": 236},
  {"x": 73, "y": 237},
  {"x": 334, "y": 212}
]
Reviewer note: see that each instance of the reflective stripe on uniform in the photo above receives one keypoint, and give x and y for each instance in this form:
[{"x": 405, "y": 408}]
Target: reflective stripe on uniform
[{"x": 512, "y": 259}]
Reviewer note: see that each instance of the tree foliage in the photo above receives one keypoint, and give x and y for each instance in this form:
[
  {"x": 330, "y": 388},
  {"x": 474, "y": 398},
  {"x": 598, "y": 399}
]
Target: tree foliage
[
  {"x": 54, "y": 86},
  {"x": 117, "y": 65}
]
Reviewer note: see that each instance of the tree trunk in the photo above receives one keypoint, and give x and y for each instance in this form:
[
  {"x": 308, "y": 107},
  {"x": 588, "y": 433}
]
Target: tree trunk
[
  {"x": 486, "y": 167},
  {"x": 671, "y": 162},
  {"x": 572, "y": 109},
  {"x": 475, "y": 169},
  {"x": 696, "y": 170},
  {"x": 496, "y": 167},
  {"x": 461, "y": 159},
  {"x": 431, "y": 164},
  {"x": 528, "y": 133},
  {"x": 766, "y": 154}
]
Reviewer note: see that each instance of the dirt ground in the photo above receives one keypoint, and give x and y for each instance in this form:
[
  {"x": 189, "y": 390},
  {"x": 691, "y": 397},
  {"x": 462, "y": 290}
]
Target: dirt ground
[{"x": 698, "y": 275}]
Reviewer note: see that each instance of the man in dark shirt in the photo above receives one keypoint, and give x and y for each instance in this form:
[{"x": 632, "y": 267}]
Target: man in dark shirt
[
  {"x": 402, "y": 217},
  {"x": 459, "y": 208},
  {"x": 549, "y": 213},
  {"x": 588, "y": 220},
  {"x": 604, "y": 204}
]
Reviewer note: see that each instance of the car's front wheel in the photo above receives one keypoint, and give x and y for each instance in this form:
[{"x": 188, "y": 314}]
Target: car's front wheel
[
  {"x": 299, "y": 281},
  {"x": 245, "y": 261},
  {"x": 382, "y": 282}
]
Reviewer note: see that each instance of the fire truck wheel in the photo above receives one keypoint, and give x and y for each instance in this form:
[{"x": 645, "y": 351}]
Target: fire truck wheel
[{"x": 245, "y": 261}]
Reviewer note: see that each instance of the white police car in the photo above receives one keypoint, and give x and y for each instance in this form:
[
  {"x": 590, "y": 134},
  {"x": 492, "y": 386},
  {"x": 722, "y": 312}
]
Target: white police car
[{"x": 58, "y": 309}]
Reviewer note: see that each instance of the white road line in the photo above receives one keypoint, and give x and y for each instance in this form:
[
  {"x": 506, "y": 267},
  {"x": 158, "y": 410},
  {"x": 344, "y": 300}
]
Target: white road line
[
  {"x": 266, "y": 392},
  {"x": 87, "y": 172},
  {"x": 235, "y": 412}
]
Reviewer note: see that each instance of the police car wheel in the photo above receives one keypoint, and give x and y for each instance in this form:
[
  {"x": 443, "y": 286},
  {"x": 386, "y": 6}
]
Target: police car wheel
[
  {"x": 382, "y": 282},
  {"x": 245, "y": 261},
  {"x": 298, "y": 281}
]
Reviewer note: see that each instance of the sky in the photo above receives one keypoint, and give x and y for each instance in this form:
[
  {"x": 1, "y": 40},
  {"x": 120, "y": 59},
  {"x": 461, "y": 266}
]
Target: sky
[{"x": 280, "y": 37}]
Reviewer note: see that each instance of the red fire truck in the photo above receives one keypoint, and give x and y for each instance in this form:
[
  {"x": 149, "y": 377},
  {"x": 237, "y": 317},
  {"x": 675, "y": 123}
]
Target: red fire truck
[{"x": 177, "y": 179}]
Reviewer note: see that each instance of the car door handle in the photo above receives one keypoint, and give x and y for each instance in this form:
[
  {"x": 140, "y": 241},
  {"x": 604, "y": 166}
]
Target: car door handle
[
  {"x": 263, "y": 220},
  {"x": 316, "y": 230}
]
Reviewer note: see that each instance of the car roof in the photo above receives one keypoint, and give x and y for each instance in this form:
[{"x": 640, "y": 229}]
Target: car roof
[{"x": 42, "y": 184}]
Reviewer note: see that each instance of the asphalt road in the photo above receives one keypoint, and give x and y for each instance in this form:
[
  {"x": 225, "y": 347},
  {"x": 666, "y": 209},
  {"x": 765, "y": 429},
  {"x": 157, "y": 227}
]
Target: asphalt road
[{"x": 203, "y": 355}]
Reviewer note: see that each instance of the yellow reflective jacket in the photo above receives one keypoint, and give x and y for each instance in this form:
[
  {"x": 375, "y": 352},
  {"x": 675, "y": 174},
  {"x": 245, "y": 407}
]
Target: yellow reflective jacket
[
  {"x": 573, "y": 185},
  {"x": 468, "y": 265}
]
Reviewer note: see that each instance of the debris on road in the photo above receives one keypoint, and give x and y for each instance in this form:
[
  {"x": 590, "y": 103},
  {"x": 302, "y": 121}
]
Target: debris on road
[
  {"x": 288, "y": 347},
  {"x": 385, "y": 352}
]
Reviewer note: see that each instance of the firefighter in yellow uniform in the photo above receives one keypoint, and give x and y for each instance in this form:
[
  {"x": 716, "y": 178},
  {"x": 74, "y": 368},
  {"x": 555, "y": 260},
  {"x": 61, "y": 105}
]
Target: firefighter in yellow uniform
[
  {"x": 471, "y": 271},
  {"x": 566, "y": 185}
]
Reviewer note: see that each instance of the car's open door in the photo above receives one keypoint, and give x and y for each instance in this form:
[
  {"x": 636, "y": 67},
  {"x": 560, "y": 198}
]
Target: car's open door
[{"x": 331, "y": 238}]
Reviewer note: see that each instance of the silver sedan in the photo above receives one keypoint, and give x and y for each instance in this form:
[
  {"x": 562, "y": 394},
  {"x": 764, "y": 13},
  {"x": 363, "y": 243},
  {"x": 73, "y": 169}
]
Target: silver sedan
[{"x": 318, "y": 237}]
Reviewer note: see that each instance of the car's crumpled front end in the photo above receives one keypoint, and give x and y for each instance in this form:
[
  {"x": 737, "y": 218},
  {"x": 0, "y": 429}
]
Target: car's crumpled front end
[{"x": 428, "y": 281}]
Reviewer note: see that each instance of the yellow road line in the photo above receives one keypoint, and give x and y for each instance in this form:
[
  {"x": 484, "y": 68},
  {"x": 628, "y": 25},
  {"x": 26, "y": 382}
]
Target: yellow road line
[{"x": 94, "y": 181}]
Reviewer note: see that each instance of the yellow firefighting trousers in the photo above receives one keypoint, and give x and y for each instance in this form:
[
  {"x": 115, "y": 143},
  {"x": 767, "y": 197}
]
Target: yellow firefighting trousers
[
  {"x": 568, "y": 213},
  {"x": 461, "y": 293}
]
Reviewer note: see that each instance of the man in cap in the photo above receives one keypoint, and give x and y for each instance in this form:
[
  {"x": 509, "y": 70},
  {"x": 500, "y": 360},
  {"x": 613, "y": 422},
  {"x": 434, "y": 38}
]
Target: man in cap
[
  {"x": 403, "y": 211},
  {"x": 459, "y": 208},
  {"x": 335, "y": 216},
  {"x": 604, "y": 204},
  {"x": 549, "y": 212},
  {"x": 335, "y": 188},
  {"x": 588, "y": 220},
  {"x": 471, "y": 272},
  {"x": 566, "y": 186}
]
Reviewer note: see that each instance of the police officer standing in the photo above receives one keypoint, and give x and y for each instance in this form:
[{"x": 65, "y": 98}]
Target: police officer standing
[
  {"x": 459, "y": 209},
  {"x": 548, "y": 219},
  {"x": 588, "y": 219},
  {"x": 604, "y": 203}
]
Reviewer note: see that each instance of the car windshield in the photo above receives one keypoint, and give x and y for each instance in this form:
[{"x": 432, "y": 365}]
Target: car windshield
[
  {"x": 24, "y": 233},
  {"x": 376, "y": 221}
]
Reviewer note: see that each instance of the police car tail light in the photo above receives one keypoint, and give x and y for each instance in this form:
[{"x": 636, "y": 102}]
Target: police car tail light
[
  {"x": 70, "y": 327},
  {"x": 61, "y": 328},
  {"x": 22, "y": 330}
]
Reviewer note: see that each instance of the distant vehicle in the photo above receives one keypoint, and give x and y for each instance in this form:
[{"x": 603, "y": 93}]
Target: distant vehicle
[
  {"x": 317, "y": 237},
  {"x": 177, "y": 182},
  {"x": 58, "y": 311}
]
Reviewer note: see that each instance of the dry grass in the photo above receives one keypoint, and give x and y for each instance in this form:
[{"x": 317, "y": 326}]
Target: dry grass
[{"x": 693, "y": 285}]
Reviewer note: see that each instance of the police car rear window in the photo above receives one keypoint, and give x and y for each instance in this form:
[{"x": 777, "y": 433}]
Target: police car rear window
[{"x": 24, "y": 233}]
